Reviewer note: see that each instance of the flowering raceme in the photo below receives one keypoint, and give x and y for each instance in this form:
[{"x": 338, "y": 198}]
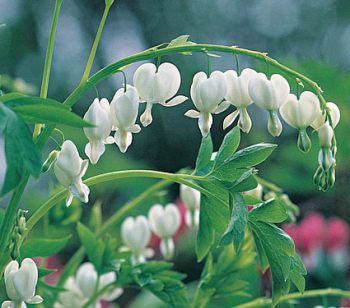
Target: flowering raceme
[
  {"x": 157, "y": 86},
  {"x": 238, "y": 95},
  {"x": 207, "y": 93},
  {"x": 124, "y": 110},
  {"x": 21, "y": 283},
  {"x": 98, "y": 115},
  {"x": 270, "y": 95},
  {"x": 69, "y": 169}
]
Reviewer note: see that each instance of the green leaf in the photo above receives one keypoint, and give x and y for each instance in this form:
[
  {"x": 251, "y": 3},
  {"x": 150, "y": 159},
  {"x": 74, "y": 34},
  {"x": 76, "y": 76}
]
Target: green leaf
[
  {"x": 93, "y": 247},
  {"x": 40, "y": 247},
  {"x": 10, "y": 96},
  {"x": 279, "y": 250},
  {"x": 252, "y": 155},
  {"x": 205, "y": 235},
  {"x": 205, "y": 152},
  {"x": 238, "y": 222},
  {"x": 270, "y": 211},
  {"x": 42, "y": 272},
  {"x": 181, "y": 40},
  {"x": 245, "y": 182},
  {"x": 43, "y": 110},
  {"x": 228, "y": 146},
  {"x": 20, "y": 150},
  {"x": 296, "y": 273}
]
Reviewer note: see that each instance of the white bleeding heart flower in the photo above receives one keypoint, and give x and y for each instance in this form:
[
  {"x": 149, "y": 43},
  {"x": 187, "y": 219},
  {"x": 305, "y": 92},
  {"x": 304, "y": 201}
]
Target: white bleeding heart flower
[
  {"x": 321, "y": 116},
  {"x": 69, "y": 170},
  {"x": 325, "y": 135},
  {"x": 206, "y": 94},
  {"x": 124, "y": 110},
  {"x": 136, "y": 234},
  {"x": 21, "y": 283},
  {"x": 191, "y": 198},
  {"x": 257, "y": 192},
  {"x": 157, "y": 86},
  {"x": 270, "y": 95},
  {"x": 86, "y": 278},
  {"x": 98, "y": 114},
  {"x": 238, "y": 96},
  {"x": 165, "y": 222},
  {"x": 300, "y": 114}
]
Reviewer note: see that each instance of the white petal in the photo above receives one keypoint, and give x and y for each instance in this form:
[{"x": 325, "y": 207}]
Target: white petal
[
  {"x": 177, "y": 100},
  {"x": 123, "y": 139},
  {"x": 6, "y": 304},
  {"x": 37, "y": 299},
  {"x": 230, "y": 119},
  {"x": 94, "y": 151},
  {"x": 192, "y": 114},
  {"x": 86, "y": 278},
  {"x": 80, "y": 190},
  {"x": 109, "y": 140},
  {"x": 68, "y": 159},
  {"x": 222, "y": 107},
  {"x": 25, "y": 279},
  {"x": 146, "y": 118},
  {"x": 191, "y": 197},
  {"x": 205, "y": 122},
  {"x": 134, "y": 129}
]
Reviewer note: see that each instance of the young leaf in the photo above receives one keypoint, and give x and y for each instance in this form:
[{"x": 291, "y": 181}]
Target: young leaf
[
  {"x": 43, "y": 110},
  {"x": 270, "y": 211},
  {"x": 238, "y": 222},
  {"x": 20, "y": 150},
  {"x": 205, "y": 152},
  {"x": 228, "y": 146},
  {"x": 94, "y": 248},
  {"x": 40, "y": 247},
  {"x": 182, "y": 40}
]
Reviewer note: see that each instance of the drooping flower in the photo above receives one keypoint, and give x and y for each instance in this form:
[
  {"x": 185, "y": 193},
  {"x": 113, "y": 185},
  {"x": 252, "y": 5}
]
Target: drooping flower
[
  {"x": 157, "y": 86},
  {"x": 206, "y": 94},
  {"x": 98, "y": 114},
  {"x": 80, "y": 288},
  {"x": 321, "y": 116},
  {"x": 124, "y": 110},
  {"x": 165, "y": 222},
  {"x": 191, "y": 198},
  {"x": 69, "y": 170},
  {"x": 238, "y": 95},
  {"x": 300, "y": 114},
  {"x": 136, "y": 234},
  {"x": 21, "y": 283},
  {"x": 270, "y": 95}
]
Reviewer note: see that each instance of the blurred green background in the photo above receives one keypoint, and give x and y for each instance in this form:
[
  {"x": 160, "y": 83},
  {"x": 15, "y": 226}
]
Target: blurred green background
[{"x": 309, "y": 36}]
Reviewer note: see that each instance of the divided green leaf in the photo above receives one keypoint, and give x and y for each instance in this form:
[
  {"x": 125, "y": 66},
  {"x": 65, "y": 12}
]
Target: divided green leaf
[
  {"x": 270, "y": 211},
  {"x": 205, "y": 153}
]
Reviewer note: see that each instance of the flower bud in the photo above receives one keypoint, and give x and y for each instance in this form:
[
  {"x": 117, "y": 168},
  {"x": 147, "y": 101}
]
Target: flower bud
[
  {"x": 157, "y": 86},
  {"x": 21, "y": 283},
  {"x": 69, "y": 169},
  {"x": 321, "y": 116},
  {"x": 136, "y": 233},
  {"x": 51, "y": 159},
  {"x": 206, "y": 94},
  {"x": 98, "y": 115},
  {"x": 124, "y": 110},
  {"x": 325, "y": 135}
]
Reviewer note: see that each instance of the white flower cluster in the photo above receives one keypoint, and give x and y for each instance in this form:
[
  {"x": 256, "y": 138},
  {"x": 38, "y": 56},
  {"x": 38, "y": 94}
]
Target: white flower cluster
[
  {"x": 213, "y": 94},
  {"x": 162, "y": 221},
  {"x": 80, "y": 288}
]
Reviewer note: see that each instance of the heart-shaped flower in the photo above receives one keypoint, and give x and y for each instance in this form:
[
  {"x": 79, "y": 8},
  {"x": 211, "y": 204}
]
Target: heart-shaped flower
[
  {"x": 300, "y": 114},
  {"x": 157, "y": 86},
  {"x": 238, "y": 95},
  {"x": 124, "y": 110},
  {"x": 206, "y": 94},
  {"x": 98, "y": 114},
  {"x": 321, "y": 116},
  {"x": 69, "y": 170},
  {"x": 21, "y": 283},
  {"x": 270, "y": 95},
  {"x": 136, "y": 233}
]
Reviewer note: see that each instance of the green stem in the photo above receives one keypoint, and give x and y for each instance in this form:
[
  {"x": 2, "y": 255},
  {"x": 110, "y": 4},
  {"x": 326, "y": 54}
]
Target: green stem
[
  {"x": 267, "y": 302},
  {"x": 95, "y": 45},
  {"x": 48, "y": 60}
]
